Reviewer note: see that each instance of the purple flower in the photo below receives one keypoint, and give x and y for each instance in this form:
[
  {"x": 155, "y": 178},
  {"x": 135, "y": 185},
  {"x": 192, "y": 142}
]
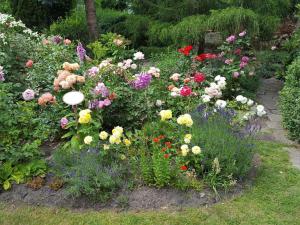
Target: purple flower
[
  {"x": 93, "y": 104},
  {"x": 81, "y": 52},
  {"x": 142, "y": 81},
  {"x": 57, "y": 39},
  {"x": 28, "y": 95},
  {"x": 243, "y": 65},
  {"x": 242, "y": 34},
  {"x": 2, "y": 78},
  {"x": 93, "y": 71},
  {"x": 64, "y": 122},
  {"x": 245, "y": 59},
  {"x": 101, "y": 89},
  {"x": 231, "y": 39}
]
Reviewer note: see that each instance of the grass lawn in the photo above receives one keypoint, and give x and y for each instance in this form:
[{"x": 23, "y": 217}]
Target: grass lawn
[{"x": 274, "y": 199}]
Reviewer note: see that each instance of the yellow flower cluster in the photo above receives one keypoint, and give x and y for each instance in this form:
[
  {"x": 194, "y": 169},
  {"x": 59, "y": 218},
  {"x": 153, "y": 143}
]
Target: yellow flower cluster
[
  {"x": 185, "y": 150},
  {"x": 185, "y": 119},
  {"x": 88, "y": 140},
  {"x": 115, "y": 138},
  {"x": 187, "y": 138},
  {"x": 85, "y": 116},
  {"x": 165, "y": 114}
]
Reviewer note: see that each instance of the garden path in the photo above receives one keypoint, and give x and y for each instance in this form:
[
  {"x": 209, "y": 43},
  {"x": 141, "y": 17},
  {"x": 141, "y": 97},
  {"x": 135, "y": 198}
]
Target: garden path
[{"x": 268, "y": 95}]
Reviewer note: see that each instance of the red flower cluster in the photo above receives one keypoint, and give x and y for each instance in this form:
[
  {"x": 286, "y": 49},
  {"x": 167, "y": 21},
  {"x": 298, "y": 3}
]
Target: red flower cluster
[
  {"x": 157, "y": 139},
  {"x": 186, "y": 50},
  {"x": 185, "y": 91},
  {"x": 166, "y": 156},
  {"x": 168, "y": 144},
  {"x": 199, "y": 77},
  {"x": 183, "y": 168},
  {"x": 204, "y": 56}
]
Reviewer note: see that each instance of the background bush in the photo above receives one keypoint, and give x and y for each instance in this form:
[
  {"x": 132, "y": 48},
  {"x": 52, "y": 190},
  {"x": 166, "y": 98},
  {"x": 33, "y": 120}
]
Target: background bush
[{"x": 290, "y": 100}]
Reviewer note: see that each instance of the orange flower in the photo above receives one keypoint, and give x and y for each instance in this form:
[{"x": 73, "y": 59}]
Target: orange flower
[
  {"x": 161, "y": 136},
  {"x": 170, "y": 87},
  {"x": 166, "y": 156},
  {"x": 156, "y": 140},
  {"x": 187, "y": 80},
  {"x": 164, "y": 149}
]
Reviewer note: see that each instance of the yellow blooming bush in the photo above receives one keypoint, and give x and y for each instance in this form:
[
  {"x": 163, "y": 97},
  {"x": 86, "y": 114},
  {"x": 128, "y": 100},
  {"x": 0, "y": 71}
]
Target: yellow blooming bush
[
  {"x": 85, "y": 116},
  {"x": 165, "y": 114}
]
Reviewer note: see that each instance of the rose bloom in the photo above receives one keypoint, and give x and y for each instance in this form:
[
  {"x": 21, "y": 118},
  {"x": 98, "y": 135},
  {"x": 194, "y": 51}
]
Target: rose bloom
[
  {"x": 204, "y": 56},
  {"x": 199, "y": 77},
  {"x": 170, "y": 87},
  {"x": 185, "y": 91},
  {"x": 29, "y": 63},
  {"x": 231, "y": 39},
  {"x": 236, "y": 74},
  {"x": 28, "y": 95},
  {"x": 175, "y": 77},
  {"x": 238, "y": 51},
  {"x": 186, "y": 50},
  {"x": 67, "y": 41},
  {"x": 64, "y": 122},
  {"x": 242, "y": 34}
]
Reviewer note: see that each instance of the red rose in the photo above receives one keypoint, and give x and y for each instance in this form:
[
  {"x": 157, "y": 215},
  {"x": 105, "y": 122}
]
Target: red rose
[
  {"x": 183, "y": 168},
  {"x": 186, "y": 50},
  {"x": 29, "y": 63},
  {"x": 204, "y": 56},
  {"x": 185, "y": 91},
  {"x": 238, "y": 51},
  {"x": 168, "y": 144},
  {"x": 156, "y": 140},
  {"x": 199, "y": 77},
  {"x": 166, "y": 156}
]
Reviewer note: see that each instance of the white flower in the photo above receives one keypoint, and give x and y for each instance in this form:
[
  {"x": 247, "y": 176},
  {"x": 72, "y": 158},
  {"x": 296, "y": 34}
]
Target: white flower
[
  {"x": 213, "y": 91},
  {"x": 220, "y": 78},
  {"x": 73, "y": 98},
  {"x": 205, "y": 98},
  {"x": 175, "y": 77},
  {"x": 246, "y": 116},
  {"x": 154, "y": 71},
  {"x": 138, "y": 56},
  {"x": 120, "y": 64},
  {"x": 133, "y": 66},
  {"x": 174, "y": 94},
  {"x": 196, "y": 150},
  {"x": 241, "y": 99},
  {"x": 222, "y": 84},
  {"x": 159, "y": 103},
  {"x": 184, "y": 150},
  {"x": 250, "y": 102},
  {"x": 260, "y": 110},
  {"x": 221, "y": 104},
  {"x": 88, "y": 140}
]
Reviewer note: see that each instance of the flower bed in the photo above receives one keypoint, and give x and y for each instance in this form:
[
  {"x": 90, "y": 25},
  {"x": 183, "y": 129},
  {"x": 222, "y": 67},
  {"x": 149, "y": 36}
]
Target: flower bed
[{"x": 123, "y": 124}]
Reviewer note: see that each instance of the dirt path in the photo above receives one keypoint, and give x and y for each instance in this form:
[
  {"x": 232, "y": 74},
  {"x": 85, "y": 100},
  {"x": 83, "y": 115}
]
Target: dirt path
[{"x": 268, "y": 95}]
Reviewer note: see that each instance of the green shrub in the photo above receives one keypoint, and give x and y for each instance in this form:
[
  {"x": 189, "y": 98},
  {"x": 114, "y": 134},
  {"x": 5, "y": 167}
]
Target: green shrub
[
  {"x": 290, "y": 100},
  {"x": 233, "y": 20},
  {"x": 190, "y": 30},
  {"x": 267, "y": 26},
  {"x": 40, "y": 14},
  {"x": 227, "y": 153},
  {"x": 90, "y": 173}
]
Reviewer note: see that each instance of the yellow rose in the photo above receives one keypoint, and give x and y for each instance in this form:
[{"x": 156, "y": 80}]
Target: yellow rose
[
  {"x": 117, "y": 131},
  {"x": 165, "y": 114},
  {"x": 127, "y": 142},
  {"x": 185, "y": 119},
  {"x": 84, "y": 116},
  {"x": 88, "y": 140},
  {"x": 196, "y": 150},
  {"x": 103, "y": 135},
  {"x": 187, "y": 138}
]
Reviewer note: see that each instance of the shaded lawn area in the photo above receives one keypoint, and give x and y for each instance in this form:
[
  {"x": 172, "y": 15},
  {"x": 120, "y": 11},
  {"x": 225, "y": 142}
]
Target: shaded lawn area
[{"x": 274, "y": 199}]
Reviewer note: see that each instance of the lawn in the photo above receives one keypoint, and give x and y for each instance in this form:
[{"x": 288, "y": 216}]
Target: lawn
[{"x": 274, "y": 199}]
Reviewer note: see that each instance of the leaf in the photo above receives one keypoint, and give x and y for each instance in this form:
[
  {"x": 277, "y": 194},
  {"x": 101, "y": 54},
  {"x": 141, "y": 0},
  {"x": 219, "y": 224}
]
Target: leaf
[
  {"x": 69, "y": 134},
  {"x": 75, "y": 143},
  {"x": 6, "y": 185}
]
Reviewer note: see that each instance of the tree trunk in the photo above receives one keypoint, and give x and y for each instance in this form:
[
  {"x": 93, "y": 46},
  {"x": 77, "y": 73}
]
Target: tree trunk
[{"x": 91, "y": 19}]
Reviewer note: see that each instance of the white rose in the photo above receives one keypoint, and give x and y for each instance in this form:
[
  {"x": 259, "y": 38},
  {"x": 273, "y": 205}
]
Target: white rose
[
  {"x": 88, "y": 140},
  {"x": 205, "y": 98},
  {"x": 250, "y": 102},
  {"x": 138, "y": 56},
  {"x": 133, "y": 66},
  {"x": 221, "y": 104},
  {"x": 196, "y": 150}
]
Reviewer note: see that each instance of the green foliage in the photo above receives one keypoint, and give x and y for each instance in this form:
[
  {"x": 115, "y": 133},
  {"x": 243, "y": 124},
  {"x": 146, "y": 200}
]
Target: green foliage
[
  {"x": 267, "y": 26},
  {"x": 91, "y": 173},
  {"x": 271, "y": 63},
  {"x": 290, "y": 99},
  {"x": 39, "y": 14},
  {"x": 233, "y": 20},
  {"x": 227, "y": 155},
  {"x": 5, "y": 6},
  {"x": 21, "y": 172}
]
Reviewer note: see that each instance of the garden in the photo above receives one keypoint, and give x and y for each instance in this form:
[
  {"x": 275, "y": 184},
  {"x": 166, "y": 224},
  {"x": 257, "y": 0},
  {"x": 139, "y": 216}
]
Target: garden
[{"x": 168, "y": 112}]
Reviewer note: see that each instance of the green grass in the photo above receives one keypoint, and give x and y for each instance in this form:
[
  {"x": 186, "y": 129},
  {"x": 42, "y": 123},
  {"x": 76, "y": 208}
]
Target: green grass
[{"x": 274, "y": 199}]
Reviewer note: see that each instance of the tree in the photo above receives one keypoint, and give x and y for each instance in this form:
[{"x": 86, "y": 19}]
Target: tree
[{"x": 91, "y": 18}]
